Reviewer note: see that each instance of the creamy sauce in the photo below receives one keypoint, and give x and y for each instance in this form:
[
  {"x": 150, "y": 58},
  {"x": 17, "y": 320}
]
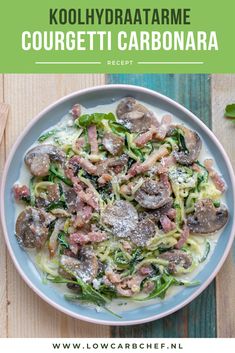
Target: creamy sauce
[{"x": 68, "y": 135}]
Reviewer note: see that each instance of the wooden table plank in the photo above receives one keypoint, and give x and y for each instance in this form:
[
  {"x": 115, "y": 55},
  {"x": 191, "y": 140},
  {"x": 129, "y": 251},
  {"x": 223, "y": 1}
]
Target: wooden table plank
[
  {"x": 198, "y": 319},
  {"x": 28, "y": 315},
  {"x": 3, "y": 293},
  {"x": 223, "y": 93}
]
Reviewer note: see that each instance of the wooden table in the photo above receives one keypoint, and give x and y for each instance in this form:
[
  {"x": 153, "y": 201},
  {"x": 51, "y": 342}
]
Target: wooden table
[{"x": 23, "y": 313}]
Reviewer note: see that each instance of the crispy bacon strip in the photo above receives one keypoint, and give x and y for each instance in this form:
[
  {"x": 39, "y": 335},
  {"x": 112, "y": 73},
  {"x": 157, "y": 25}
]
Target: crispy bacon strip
[
  {"x": 215, "y": 177},
  {"x": 90, "y": 237},
  {"x": 89, "y": 198},
  {"x": 167, "y": 224},
  {"x": 147, "y": 136},
  {"x": 84, "y": 163},
  {"x": 20, "y": 192},
  {"x": 138, "y": 168},
  {"x": 92, "y": 138},
  {"x": 104, "y": 179},
  {"x": 163, "y": 128},
  {"x": 183, "y": 237}
]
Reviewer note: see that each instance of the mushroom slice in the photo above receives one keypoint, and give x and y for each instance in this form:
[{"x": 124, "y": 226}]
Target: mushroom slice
[
  {"x": 71, "y": 199},
  {"x": 38, "y": 158},
  {"x": 143, "y": 232},
  {"x": 49, "y": 195},
  {"x": 193, "y": 147},
  {"x": 85, "y": 268},
  {"x": 109, "y": 163},
  {"x": 178, "y": 260},
  {"x": 152, "y": 194},
  {"x": 113, "y": 143},
  {"x": 122, "y": 217},
  {"x": 32, "y": 227},
  {"x": 155, "y": 215},
  {"x": 134, "y": 115},
  {"x": 207, "y": 218}
]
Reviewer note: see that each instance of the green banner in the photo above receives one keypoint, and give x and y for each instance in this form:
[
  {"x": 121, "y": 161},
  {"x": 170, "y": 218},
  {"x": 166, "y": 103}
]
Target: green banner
[{"x": 161, "y": 36}]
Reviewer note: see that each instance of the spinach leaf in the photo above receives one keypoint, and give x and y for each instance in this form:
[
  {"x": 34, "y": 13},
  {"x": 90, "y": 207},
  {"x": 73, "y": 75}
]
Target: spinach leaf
[
  {"x": 55, "y": 172},
  {"x": 230, "y": 111},
  {"x": 206, "y": 252},
  {"x": 118, "y": 128},
  {"x": 178, "y": 135},
  {"x": 58, "y": 204},
  {"x": 62, "y": 240},
  {"x": 95, "y": 118},
  {"x": 46, "y": 135},
  {"x": 32, "y": 193}
]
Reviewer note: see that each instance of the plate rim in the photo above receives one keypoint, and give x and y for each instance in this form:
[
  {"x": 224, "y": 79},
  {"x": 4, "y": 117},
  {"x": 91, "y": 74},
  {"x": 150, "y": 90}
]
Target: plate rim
[{"x": 28, "y": 127}]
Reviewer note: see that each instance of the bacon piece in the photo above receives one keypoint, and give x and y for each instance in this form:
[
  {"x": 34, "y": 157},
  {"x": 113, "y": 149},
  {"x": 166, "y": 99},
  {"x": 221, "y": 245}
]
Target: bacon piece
[
  {"x": 83, "y": 216},
  {"x": 183, "y": 237},
  {"x": 167, "y": 224},
  {"x": 148, "y": 287},
  {"x": 125, "y": 292},
  {"x": 104, "y": 179},
  {"x": 80, "y": 142},
  {"x": 145, "y": 270},
  {"x": 133, "y": 171},
  {"x": 215, "y": 177},
  {"x": 89, "y": 198},
  {"x": 171, "y": 213},
  {"x": 76, "y": 111},
  {"x": 20, "y": 192},
  {"x": 126, "y": 245},
  {"x": 126, "y": 189},
  {"x": 166, "y": 163},
  {"x": 84, "y": 163},
  {"x": 90, "y": 237},
  {"x": 152, "y": 159},
  {"x": 162, "y": 130},
  {"x": 138, "y": 168},
  {"x": 92, "y": 138},
  {"x": 196, "y": 168},
  {"x": 165, "y": 181},
  {"x": 142, "y": 139},
  {"x": 114, "y": 163},
  {"x": 130, "y": 285},
  {"x": 113, "y": 277}
]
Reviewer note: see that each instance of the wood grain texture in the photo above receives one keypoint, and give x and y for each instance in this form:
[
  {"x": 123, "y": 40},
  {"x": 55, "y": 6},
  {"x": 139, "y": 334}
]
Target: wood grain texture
[
  {"x": 3, "y": 292},
  {"x": 28, "y": 315},
  {"x": 198, "y": 319},
  {"x": 4, "y": 110},
  {"x": 223, "y": 93}
]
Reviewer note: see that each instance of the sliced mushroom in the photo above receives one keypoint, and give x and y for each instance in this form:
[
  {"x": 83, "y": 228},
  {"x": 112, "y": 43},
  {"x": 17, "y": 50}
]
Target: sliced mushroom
[
  {"x": 52, "y": 194},
  {"x": 178, "y": 260},
  {"x": 193, "y": 144},
  {"x": 207, "y": 218},
  {"x": 152, "y": 194},
  {"x": 122, "y": 217},
  {"x": 144, "y": 230},
  {"x": 38, "y": 159},
  {"x": 32, "y": 227},
  {"x": 85, "y": 268},
  {"x": 155, "y": 215},
  {"x": 109, "y": 163},
  {"x": 113, "y": 143},
  {"x": 134, "y": 115},
  {"x": 71, "y": 199}
]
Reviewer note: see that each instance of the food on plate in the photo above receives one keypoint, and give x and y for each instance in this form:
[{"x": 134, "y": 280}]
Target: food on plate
[{"x": 119, "y": 204}]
